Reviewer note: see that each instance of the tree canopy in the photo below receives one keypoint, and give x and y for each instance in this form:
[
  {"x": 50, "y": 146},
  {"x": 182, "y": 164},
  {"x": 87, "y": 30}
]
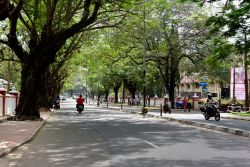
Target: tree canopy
[{"x": 128, "y": 43}]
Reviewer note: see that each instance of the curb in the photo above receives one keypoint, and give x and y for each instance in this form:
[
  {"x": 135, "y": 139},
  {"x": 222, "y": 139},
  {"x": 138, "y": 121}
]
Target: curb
[
  {"x": 233, "y": 131},
  {"x": 237, "y": 118},
  {"x": 2, "y": 119},
  {"x": 28, "y": 139}
]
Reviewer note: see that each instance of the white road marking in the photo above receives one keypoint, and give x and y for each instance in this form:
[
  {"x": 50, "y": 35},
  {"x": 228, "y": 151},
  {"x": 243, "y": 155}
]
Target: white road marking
[
  {"x": 12, "y": 164},
  {"x": 15, "y": 156},
  {"x": 24, "y": 148},
  {"x": 153, "y": 145}
]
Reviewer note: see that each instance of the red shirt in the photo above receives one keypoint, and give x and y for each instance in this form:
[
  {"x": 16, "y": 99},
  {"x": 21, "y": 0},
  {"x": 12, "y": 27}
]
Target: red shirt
[{"x": 80, "y": 100}]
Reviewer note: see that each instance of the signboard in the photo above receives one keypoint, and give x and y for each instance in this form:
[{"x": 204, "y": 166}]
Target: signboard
[
  {"x": 204, "y": 89},
  {"x": 239, "y": 83},
  {"x": 203, "y": 84}
]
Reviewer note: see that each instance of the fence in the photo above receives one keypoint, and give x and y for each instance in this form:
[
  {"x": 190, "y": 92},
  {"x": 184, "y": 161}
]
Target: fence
[
  {"x": 8, "y": 104},
  {"x": 158, "y": 101}
]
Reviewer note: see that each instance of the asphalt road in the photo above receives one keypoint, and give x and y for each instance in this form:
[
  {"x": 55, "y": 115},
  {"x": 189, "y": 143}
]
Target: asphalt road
[
  {"x": 196, "y": 116},
  {"x": 104, "y": 138}
]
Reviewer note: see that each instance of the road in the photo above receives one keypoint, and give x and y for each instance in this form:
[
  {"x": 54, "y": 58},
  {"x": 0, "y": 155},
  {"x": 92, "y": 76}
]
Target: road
[
  {"x": 104, "y": 138},
  {"x": 196, "y": 116}
]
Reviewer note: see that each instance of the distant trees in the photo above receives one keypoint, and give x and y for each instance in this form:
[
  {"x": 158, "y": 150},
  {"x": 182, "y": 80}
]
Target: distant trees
[{"x": 173, "y": 33}]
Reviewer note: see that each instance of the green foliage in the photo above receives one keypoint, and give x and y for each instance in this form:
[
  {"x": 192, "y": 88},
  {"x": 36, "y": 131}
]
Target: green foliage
[{"x": 9, "y": 67}]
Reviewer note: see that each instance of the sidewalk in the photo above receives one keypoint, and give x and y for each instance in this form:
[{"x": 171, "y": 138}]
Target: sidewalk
[{"x": 13, "y": 134}]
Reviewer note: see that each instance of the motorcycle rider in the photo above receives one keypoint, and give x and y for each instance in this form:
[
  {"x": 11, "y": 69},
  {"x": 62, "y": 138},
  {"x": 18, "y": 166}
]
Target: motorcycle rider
[
  {"x": 80, "y": 102},
  {"x": 210, "y": 105},
  {"x": 210, "y": 98},
  {"x": 210, "y": 109}
]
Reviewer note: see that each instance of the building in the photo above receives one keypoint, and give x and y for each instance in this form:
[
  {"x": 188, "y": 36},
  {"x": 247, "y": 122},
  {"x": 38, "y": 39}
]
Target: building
[{"x": 194, "y": 85}]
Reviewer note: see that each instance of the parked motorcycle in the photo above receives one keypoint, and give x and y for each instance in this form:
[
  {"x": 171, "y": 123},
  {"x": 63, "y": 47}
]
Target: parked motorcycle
[
  {"x": 57, "y": 105},
  {"x": 211, "y": 110},
  {"x": 167, "y": 108},
  {"x": 79, "y": 108}
]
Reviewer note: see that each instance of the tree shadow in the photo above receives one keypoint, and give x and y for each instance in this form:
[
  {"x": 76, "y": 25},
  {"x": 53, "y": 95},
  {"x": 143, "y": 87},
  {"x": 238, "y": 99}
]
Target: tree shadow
[{"x": 100, "y": 138}]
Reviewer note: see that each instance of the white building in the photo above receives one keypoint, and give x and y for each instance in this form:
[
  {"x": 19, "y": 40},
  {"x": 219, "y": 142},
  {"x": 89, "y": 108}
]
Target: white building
[{"x": 195, "y": 86}]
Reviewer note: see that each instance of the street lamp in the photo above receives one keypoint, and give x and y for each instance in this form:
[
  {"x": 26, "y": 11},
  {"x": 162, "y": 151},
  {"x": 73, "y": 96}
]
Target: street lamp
[
  {"x": 86, "y": 88},
  {"x": 234, "y": 98},
  {"x": 144, "y": 54}
]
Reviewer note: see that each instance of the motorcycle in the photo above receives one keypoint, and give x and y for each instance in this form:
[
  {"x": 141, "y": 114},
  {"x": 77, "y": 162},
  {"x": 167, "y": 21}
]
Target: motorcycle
[
  {"x": 167, "y": 108},
  {"x": 57, "y": 105},
  {"x": 210, "y": 110},
  {"x": 79, "y": 108}
]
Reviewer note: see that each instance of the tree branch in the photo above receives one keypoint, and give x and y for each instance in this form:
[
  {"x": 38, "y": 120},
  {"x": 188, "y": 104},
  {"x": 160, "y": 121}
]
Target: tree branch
[
  {"x": 12, "y": 38},
  {"x": 86, "y": 20},
  {"x": 4, "y": 42}
]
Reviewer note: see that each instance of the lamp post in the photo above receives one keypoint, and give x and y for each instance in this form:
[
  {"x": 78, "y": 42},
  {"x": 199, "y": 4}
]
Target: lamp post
[
  {"x": 86, "y": 91},
  {"x": 144, "y": 53},
  {"x": 245, "y": 72},
  {"x": 85, "y": 77},
  {"x": 234, "y": 98},
  {"x": 98, "y": 94}
]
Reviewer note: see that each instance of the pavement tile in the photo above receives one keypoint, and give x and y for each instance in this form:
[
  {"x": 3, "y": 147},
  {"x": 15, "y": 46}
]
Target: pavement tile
[{"x": 15, "y": 133}]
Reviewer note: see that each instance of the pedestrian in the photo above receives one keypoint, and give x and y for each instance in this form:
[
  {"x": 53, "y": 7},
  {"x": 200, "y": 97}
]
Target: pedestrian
[
  {"x": 189, "y": 103},
  {"x": 184, "y": 104},
  {"x": 148, "y": 97}
]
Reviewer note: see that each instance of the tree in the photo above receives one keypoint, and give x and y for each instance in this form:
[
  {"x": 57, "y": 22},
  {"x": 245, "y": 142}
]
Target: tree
[
  {"x": 9, "y": 68},
  {"x": 47, "y": 25},
  {"x": 233, "y": 22},
  {"x": 177, "y": 36}
]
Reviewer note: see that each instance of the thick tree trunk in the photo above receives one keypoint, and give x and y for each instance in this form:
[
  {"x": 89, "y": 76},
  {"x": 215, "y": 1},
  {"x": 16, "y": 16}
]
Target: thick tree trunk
[
  {"x": 116, "y": 90},
  {"x": 33, "y": 92},
  {"x": 132, "y": 87},
  {"x": 54, "y": 85},
  {"x": 106, "y": 96},
  {"x": 172, "y": 92}
]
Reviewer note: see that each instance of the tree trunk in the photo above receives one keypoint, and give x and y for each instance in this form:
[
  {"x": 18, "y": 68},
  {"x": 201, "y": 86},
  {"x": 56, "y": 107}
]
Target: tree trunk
[
  {"x": 172, "y": 91},
  {"x": 116, "y": 90},
  {"x": 132, "y": 87},
  {"x": 116, "y": 97},
  {"x": 33, "y": 92}
]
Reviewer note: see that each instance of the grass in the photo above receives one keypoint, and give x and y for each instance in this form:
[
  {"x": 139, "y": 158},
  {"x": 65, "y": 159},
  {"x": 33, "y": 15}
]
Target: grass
[{"x": 243, "y": 114}]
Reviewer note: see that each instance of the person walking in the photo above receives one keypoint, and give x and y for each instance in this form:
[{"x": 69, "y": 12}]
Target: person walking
[
  {"x": 189, "y": 103},
  {"x": 184, "y": 104}
]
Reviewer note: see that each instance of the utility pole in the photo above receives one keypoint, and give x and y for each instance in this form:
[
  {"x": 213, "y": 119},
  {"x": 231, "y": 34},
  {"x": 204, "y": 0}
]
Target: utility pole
[
  {"x": 234, "y": 98},
  {"x": 144, "y": 53},
  {"x": 245, "y": 69}
]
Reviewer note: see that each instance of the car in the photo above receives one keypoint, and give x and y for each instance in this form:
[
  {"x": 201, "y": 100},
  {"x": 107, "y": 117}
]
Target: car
[
  {"x": 179, "y": 104},
  {"x": 63, "y": 98}
]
